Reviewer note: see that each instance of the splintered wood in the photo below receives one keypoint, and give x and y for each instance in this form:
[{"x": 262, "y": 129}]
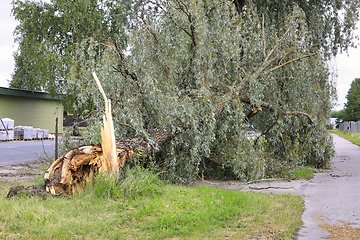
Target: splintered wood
[{"x": 71, "y": 172}]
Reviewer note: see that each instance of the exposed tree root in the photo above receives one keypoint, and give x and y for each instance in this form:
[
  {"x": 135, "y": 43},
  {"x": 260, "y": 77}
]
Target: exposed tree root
[{"x": 70, "y": 173}]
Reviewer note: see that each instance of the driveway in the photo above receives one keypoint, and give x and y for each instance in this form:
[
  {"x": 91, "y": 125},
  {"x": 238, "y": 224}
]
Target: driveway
[
  {"x": 19, "y": 152},
  {"x": 332, "y": 198}
]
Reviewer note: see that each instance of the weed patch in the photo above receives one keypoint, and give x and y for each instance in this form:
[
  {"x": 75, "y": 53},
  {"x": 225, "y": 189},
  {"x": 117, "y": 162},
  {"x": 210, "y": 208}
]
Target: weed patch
[{"x": 138, "y": 181}]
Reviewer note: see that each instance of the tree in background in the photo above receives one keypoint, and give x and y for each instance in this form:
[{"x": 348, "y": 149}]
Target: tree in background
[
  {"x": 48, "y": 34},
  {"x": 352, "y": 106},
  {"x": 339, "y": 115}
]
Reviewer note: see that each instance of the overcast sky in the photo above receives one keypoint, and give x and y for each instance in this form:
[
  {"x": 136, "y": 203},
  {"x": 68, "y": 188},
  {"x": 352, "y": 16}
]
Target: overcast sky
[{"x": 348, "y": 66}]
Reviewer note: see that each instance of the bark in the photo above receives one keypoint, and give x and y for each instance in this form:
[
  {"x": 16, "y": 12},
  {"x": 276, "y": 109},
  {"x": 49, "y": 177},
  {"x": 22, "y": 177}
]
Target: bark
[{"x": 71, "y": 172}]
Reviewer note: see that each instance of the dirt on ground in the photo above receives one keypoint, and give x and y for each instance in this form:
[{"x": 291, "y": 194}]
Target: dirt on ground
[
  {"x": 23, "y": 172},
  {"x": 340, "y": 230}
]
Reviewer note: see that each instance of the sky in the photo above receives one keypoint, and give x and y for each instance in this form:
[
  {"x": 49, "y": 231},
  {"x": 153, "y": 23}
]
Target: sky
[{"x": 348, "y": 64}]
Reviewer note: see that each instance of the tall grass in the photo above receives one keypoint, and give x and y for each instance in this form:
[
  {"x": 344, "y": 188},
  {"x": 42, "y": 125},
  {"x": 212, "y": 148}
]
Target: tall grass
[
  {"x": 143, "y": 207},
  {"x": 138, "y": 181}
]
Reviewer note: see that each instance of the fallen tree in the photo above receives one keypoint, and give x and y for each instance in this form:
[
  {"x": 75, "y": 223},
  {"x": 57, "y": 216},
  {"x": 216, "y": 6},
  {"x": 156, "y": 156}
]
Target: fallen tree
[
  {"x": 198, "y": 76},
  {"x": 70, "y": 173}
]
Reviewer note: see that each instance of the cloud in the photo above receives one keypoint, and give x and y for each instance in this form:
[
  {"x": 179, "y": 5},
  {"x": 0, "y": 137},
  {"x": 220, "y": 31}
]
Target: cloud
[
  {"x": 348, "y": 70},
  {"x": 7, "y": 46}
]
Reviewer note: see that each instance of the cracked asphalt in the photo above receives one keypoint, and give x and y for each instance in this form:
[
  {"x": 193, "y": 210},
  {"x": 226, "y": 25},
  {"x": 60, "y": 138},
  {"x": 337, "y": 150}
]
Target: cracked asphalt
[{"x": 332, "y": 198}]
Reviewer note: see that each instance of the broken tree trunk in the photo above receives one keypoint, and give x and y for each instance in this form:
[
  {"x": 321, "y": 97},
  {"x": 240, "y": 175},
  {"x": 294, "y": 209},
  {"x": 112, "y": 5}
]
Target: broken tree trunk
[{"x": 71, "y": 172}]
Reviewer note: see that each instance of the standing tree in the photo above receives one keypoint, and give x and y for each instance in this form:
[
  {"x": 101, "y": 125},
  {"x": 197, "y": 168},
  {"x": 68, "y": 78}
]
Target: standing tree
[
  {"x": 48, "y": 34},
  {"x": 198, "y": 74},
  {"x": 352, "y": 106}
]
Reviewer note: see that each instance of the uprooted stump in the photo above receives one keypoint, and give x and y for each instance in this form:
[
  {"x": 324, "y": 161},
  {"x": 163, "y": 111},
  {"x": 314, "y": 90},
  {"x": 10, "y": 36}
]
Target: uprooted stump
[
  {"x": 71, "y": 172},
  {"x": 31, "y": 190}
]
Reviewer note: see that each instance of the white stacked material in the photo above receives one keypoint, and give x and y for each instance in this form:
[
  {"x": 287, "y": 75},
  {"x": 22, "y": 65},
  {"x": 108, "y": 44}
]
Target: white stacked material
[
  {"x": 39, "y": 133},
  {"x": 25, "y": 132},
  {"x": 8, "y": 122},
  {"x": 9, "y": 135},
  {"x": 28, "y": 132},
  {"x": 34, "y": 133},
  {"x": 3, "y": 136},
  {"x": 46, "y": 133}
]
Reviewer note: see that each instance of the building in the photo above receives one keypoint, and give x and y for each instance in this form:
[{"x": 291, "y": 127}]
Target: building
[{"x": 30, "y": 108}]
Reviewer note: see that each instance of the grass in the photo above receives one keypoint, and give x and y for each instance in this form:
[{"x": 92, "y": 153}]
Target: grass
[
  {"x": 298, "y": 173},
  {"x": 304, "y": 173},
  {"x": 155, "y": 210},
  {"x": 352, "y": 137}
]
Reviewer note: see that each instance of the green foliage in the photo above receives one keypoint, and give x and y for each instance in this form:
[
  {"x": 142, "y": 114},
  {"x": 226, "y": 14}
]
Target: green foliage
[
  {"x": 48, "y": 34},
  {"x": 304, "y": 173},
  {"x": 331, "y": 23},
  {"x": 178, "y": 212},
  {"x": 184, "y": 57},
  {"x": 352, "y": 106},
  {"x": 339, "y": 115},
  {"x": 297, "y": 173}
]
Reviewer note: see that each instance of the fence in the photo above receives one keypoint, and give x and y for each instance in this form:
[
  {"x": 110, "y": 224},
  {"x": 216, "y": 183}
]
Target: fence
[{"x": 353, "y": 127}]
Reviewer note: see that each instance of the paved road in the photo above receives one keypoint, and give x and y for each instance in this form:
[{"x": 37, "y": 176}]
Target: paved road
[
  {"x": 15, "y": 153},
  {"x": 332, "y": 198}
]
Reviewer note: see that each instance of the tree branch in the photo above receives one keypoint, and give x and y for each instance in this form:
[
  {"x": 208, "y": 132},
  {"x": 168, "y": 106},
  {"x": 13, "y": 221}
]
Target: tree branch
[
  {"x": 148, "y": 29},
  {"x": 296, "y": 113},
  {"x": 277, "y": 44},
  {"x": 269, "y": 128},
  {"x": 291, "y": 61},
  {"x": 183, "y": 8},
  {"x": 263, "y": 32}
]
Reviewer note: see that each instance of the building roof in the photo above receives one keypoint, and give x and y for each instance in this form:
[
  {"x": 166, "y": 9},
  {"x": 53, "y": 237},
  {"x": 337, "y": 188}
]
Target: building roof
[{"x": 27, "y": 93}]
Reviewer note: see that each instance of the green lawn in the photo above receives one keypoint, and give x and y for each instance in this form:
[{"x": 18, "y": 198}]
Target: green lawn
[
  {"x": 352, "y": 137},
  {"x": 170, "y": 212}
]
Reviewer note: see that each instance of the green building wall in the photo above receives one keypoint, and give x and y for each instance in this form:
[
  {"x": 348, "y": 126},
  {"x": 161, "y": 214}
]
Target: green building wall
[{"x": 38, "y": 111}]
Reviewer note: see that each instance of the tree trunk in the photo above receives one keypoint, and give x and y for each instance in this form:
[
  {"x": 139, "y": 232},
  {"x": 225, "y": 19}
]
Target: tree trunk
[{"x": 71, "y": 172}]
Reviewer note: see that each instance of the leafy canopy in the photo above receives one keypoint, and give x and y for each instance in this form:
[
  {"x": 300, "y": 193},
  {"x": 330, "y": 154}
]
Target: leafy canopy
[
  {"x": 49, "y": 32},
  {"x": 352, "y": 106},
  {"x": 207, "y": 74}
]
